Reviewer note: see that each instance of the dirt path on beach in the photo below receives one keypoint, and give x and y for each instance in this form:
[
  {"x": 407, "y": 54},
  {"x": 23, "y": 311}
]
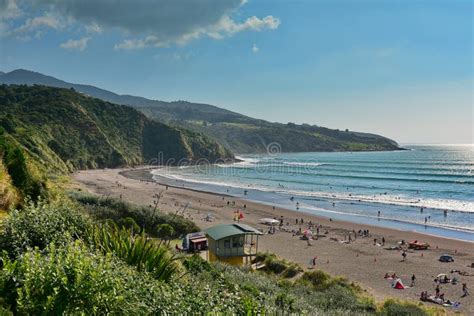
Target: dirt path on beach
[{"x": 360, "y": 261}]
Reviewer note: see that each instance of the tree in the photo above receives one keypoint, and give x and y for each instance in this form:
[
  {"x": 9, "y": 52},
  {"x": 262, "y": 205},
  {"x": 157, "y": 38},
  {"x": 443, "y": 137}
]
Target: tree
[{"x": 165, "y": 231}]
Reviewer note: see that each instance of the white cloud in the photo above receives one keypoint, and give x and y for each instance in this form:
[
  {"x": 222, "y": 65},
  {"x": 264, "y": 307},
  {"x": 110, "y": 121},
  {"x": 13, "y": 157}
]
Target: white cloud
[
  {"x": 225, "y": 27},
  {"x": 93, "y": 28},
  {"x": 9, "y": 9},
  {"x": 255, "y": 48},
  {"x": 79, "y": 45},
  {"x": 34, "y": 27},
  {"x": 37, "y": 22},
  {"x": 143, "y": 23}
]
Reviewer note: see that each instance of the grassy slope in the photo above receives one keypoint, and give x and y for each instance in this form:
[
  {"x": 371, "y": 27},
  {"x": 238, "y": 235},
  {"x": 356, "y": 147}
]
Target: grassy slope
[
  {"x": 67, "y": 131},
  {"x": 247, "y": 135},
  {"x": 9, "y": 194},
  {"x": 240, "y": 133}
]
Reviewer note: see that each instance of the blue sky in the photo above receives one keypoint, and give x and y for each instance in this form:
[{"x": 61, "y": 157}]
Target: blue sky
[{"x": 403, "y": 69}]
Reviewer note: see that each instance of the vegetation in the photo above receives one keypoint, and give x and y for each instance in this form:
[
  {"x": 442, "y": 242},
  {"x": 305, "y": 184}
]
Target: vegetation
[
  {"x": 273, "y": 264},
  {"x": 9, "y": 195},
  {"x": 240, "y": 133},
  {"x": 396, "y": 307},
  {"x": 136, "y": 250},
  {"x": 18, "y": 177},
  {"x": 65, "y": 130},
  {"x": 56, "y": 260},
  {"x": 83, "y": 254},
  {"x": 41, "y": 224},
  {"x": 146, "y": 218}
]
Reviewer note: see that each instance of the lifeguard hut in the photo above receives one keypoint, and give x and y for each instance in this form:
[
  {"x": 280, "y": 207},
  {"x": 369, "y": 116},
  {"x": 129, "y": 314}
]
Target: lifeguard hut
[{"x": 232, "y": 243}]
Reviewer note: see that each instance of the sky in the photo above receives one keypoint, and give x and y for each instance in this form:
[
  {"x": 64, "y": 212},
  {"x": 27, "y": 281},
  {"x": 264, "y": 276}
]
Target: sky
[{"x": 403, "y": 69}]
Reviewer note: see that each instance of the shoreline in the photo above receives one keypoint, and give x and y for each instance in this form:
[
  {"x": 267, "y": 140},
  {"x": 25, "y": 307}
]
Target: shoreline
[
  {"x": 359, "y": 261},
  {"x": 144, "y": 174},
  {"x": 263, "y": 197}
]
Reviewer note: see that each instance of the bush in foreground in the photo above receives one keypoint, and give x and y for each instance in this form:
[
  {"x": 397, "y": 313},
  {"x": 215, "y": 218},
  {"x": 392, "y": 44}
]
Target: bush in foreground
[
  {"x": 40, "y": 224},
  {"x": 72, "y": 279}
]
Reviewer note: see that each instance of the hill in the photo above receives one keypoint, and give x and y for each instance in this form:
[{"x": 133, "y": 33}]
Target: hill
[
  {"x": 240, "y": 133},
  {"x": 65, "y": 130}
]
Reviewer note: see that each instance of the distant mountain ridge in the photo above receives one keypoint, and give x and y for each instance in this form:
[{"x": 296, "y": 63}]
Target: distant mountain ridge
[{"x": 240, "y": 133}]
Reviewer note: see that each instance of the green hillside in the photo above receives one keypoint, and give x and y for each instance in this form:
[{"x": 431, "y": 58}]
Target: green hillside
[
  {"x": 240, "y": 133},
  {"x": 64, "y": 130},
  {"x": 255, "y": 137}
]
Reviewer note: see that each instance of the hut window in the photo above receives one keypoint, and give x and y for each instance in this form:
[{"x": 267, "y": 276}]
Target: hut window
[
  {"x": 238, "y": 241},
  {"x": 227, "y": 243}
]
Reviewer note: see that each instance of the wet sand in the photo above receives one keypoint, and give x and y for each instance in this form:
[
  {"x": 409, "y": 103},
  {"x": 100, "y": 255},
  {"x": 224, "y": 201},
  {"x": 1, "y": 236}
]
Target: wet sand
[{"x": 360, "y": 261}]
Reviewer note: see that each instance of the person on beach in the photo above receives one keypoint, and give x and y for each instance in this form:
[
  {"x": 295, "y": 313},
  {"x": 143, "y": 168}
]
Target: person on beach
[
  {"x": 404, "y": 256},
  {"x": 437, "y": 290},
  {"x": 413, "y": 279},
  {"x": 383, "y": 241},
  {"x": 464, "y": 290}
]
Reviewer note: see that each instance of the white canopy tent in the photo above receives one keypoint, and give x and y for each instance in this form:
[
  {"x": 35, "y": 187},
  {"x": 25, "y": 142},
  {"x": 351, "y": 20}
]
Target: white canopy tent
[{"x": 269, "y": 221}]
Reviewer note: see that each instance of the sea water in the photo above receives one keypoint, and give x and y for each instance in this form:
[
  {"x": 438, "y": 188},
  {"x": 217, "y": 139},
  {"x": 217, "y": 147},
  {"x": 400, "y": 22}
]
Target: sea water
[{"x": 425, "y": 188}]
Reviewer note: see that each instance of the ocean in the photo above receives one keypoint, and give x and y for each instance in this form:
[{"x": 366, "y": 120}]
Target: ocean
[{"x": 426, "y": 188}]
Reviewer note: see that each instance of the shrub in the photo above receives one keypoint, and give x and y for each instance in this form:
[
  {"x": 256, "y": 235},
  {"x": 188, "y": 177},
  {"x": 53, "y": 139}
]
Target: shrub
[
  {"x": 71, "y": 280},
  {"x": 318, "y": 278},
  {"x": 278, "y": 266},
  {"x": 165, "y": 231},
  {"x": 195, "y": 264},
  {"x": 275, "y": 266},
  {"x": 292, "y": 271},
  {"x": 393, "y": 307},
  {"x": 38, "y": 225},
  {"x": 21, "y": 173},
  {"x": 129, "y": 223},
  {"x": 145, "y": 217}
]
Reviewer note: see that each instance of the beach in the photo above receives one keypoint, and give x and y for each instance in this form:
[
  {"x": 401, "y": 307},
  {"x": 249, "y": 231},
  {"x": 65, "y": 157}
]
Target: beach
[{"x": 359, "y": 261}]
